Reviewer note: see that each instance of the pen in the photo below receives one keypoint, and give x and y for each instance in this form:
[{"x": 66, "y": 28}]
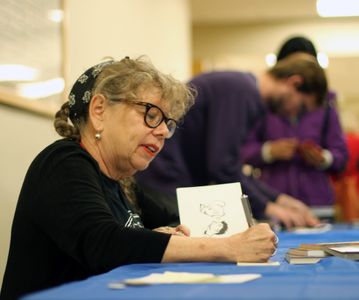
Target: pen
[{"x": 247, "y": 210}]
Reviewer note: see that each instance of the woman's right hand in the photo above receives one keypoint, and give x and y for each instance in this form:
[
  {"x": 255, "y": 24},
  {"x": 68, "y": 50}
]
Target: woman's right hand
[{"x": 256, "y": 244}]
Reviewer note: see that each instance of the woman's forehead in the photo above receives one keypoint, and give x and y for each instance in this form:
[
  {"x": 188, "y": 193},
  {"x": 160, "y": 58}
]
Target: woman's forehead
[{"x": 149, "y": 90}]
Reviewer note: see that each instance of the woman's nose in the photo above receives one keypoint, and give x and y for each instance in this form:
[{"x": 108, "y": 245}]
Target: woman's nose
[{"x": 161, "y": 130}]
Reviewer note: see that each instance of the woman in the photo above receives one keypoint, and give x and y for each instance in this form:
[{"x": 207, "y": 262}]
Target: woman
[{"x": 73, "y": 219}]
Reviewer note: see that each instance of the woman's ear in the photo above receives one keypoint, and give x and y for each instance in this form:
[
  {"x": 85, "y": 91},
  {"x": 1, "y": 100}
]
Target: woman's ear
[{"x": 97, "y": 108}]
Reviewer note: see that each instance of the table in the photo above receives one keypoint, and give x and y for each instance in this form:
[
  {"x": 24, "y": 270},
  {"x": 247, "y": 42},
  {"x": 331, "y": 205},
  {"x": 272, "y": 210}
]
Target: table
[{"x": 331, "y": 278}]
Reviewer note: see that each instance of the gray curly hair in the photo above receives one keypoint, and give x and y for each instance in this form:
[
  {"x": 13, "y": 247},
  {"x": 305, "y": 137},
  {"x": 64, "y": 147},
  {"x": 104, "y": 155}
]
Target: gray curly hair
[{"x": 124, "y": 79}]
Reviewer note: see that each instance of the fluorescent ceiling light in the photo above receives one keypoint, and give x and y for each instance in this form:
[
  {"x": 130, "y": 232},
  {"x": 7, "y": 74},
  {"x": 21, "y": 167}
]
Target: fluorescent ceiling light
[
  {"x": 271, "y": 59},
  {"x": 323, "y": 60},
  {"x": 55, "y": 15},
  {"x": 338, "y": 8},
  {"x": 41, "y": 89},
  {"x": 14, "y": 72}
]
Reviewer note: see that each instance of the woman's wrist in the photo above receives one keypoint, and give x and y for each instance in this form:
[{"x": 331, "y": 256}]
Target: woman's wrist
[{"x": 187, "y": 249}]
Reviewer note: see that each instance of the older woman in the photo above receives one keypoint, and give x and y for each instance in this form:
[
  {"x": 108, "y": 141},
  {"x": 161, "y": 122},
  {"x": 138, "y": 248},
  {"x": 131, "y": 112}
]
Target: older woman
[{"x": 73, "y": 218}]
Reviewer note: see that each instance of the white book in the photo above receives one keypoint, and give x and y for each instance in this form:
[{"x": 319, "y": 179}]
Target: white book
[{"x": 213, "y": 210}]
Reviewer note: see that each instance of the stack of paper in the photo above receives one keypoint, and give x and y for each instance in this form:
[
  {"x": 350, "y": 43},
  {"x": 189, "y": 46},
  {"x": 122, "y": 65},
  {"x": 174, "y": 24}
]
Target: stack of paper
[{"x": 184, "y": 278}]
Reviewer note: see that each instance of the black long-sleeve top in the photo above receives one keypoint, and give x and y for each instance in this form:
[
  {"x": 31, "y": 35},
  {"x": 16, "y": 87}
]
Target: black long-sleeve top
[{"x": 71, "y": 222}]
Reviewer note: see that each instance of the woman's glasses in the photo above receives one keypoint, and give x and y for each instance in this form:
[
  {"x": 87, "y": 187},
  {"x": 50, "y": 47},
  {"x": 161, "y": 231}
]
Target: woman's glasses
[{"x": 154, "y": 116}]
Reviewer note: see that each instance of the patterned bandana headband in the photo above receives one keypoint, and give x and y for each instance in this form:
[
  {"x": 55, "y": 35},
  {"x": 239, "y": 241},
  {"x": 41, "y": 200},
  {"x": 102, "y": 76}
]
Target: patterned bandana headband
[{"x": 80, "y": 94}]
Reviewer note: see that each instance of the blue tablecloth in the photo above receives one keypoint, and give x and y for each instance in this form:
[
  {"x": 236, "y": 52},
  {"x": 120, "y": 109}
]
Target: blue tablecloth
[{"x": 331, "y": 278}]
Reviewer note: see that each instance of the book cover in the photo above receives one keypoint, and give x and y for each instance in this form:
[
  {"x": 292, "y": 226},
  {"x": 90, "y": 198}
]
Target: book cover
[
  {"x": 322, "y": 246},
  {"x": 301, "y": 260},
  {"x": 348, "y": 252},
  {"x": 305, "y": 252},
  {"x": 213, "y": 210}
]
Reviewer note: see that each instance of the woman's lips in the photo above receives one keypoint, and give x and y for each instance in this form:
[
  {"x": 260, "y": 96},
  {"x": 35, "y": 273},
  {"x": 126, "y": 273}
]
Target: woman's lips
[{"x": 151, "y": 149}]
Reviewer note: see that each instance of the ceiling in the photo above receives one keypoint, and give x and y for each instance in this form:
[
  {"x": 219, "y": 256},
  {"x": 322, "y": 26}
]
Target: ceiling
[{"x": 250, "y": 11}]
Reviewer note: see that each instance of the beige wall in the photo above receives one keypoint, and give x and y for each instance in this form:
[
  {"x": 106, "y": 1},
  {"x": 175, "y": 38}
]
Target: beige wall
[
  {"x": 158, "y": 28},
  {"x": 244, "y": 46},
  {"x": 23, "y": 136}
]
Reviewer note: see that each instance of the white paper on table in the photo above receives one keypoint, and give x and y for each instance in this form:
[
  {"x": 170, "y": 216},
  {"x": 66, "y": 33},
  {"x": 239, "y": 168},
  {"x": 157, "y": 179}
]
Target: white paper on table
[
  {"x": 261, "y": 264},
  {"x": 188, "y": 278},
  {"x": 323, "y": 227},
  {"x": 238, "y": 278},
  {"x": 213, "y": 210}
]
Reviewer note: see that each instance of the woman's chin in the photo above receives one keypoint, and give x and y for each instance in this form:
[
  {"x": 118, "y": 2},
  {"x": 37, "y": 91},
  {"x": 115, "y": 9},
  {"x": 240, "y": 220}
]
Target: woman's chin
[{"x": 141, "y": 165}]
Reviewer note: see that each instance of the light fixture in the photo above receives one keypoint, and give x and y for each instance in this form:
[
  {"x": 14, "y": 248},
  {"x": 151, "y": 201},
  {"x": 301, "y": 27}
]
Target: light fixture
[
  {"x": 41, "y": 89},
  {"x": 271, "y": 59},
  {"x": 338, "y": 8},
  {"x": 323, "y": 60},
  {"x": 17, "y": 72},
  {"x": 55, "y": 15}
]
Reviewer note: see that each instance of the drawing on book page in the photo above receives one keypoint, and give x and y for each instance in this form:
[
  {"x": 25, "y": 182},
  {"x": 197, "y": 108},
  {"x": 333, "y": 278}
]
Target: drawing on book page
[{"x": 217, "y": 225}]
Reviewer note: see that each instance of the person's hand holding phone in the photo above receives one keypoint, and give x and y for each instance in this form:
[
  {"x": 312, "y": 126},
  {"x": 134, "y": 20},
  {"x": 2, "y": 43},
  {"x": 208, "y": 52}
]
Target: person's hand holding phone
[
  {"x": 283, "y": 149},
  {"x": 311, "y": 153}
]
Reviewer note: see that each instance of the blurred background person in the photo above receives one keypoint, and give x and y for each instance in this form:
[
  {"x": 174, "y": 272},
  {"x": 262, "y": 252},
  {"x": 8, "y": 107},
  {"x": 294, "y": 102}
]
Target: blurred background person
[
  {"x": 207, "y": 147},
  {"x": 296, "y": 44},
  {"x": 300, "y": 139},
  {"x": 345, "y": 183},
  {"x": 302, "y": 44}
]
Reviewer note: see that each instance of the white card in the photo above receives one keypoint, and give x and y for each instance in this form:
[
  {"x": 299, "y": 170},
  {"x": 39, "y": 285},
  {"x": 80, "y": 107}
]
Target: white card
[
  {"x": 186, "y": 278},
  {"x": 213, "y": 210}
]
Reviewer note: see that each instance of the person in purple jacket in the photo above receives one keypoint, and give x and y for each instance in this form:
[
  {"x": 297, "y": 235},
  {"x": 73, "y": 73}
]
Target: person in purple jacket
[
  {"x": 300, "y": 141},
  {"x": 207, "y": 148}
]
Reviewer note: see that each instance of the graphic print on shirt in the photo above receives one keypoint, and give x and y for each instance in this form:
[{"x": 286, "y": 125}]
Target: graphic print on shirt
[{"x": 134, "y": 220}]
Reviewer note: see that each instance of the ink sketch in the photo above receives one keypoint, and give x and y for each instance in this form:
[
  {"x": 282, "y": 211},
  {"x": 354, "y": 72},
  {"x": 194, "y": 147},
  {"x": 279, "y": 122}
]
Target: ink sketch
[{"x": 213, "y": 210}]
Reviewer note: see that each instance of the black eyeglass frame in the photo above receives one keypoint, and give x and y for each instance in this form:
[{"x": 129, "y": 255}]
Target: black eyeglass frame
[{"x": 149, "y": 106}]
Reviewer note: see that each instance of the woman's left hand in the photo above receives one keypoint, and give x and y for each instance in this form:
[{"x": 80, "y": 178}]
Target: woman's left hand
[
  {"x": 312, "y": 153},
  {"x": 179, "y": 230}
]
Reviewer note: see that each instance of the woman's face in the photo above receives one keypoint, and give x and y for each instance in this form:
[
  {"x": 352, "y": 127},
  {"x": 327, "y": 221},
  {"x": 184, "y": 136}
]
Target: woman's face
[{"x": 127, "y": 144}]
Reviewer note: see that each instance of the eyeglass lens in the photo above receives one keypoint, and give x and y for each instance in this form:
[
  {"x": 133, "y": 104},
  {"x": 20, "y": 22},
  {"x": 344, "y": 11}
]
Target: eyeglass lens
[{"x": 154, "y": 116}]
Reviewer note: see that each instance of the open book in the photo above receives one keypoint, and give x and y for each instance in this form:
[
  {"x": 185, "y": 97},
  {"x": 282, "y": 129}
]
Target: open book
[{"x": 214, "y": 210}]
